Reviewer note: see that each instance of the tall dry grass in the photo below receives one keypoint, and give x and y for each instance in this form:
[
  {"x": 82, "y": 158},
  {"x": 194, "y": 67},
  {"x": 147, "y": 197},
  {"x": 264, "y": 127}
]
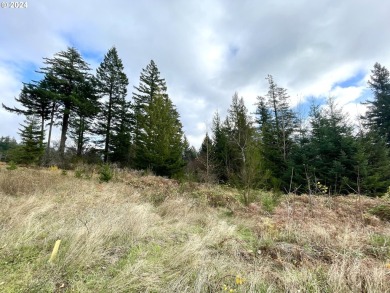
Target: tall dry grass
[{"x": 150, "y": 234}]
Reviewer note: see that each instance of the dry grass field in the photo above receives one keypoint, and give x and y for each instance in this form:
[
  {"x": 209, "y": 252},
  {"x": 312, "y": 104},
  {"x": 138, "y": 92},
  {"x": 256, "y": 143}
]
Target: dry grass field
[{"x": 140, "y": 233}]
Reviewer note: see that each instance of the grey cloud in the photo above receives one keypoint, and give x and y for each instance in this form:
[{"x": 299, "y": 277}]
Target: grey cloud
[{"x": 299, "y": 42}]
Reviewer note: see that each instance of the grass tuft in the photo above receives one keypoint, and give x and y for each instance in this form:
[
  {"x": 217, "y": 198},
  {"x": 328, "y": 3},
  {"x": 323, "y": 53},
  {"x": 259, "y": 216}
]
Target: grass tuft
[{"x": 382, "y": 211}]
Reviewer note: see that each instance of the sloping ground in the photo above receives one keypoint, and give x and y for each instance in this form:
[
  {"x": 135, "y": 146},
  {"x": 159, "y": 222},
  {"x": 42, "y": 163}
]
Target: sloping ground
[{"x": 149, "y": 234}]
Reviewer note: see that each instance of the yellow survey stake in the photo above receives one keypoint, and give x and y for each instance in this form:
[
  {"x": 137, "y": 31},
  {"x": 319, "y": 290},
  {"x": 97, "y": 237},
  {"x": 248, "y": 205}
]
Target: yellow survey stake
[{"x": 55, "y": 251}]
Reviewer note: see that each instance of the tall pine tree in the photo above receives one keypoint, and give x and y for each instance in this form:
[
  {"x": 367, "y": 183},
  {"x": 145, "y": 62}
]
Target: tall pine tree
[
  {"x": 66, "y": 74},
  {"x": 122, "y": 128},
  {"x": 83, "y": 115},
  {"x": 37, "y": 101},
  {"x": 158, "y": 132},
  {"x": 32, "y": 149},
  {"x": 330, "y": 154},
  {"x": 377, "y": 117},
  {"x": 112, "y": 88},
  {"x": 276, "y": 123},
  {"x": 239, "y": 127},
  {"x": 221, "y": 151}
]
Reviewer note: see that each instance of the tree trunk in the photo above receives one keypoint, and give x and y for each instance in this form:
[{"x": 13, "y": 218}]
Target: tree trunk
[
  {"x": 50, "y": 127},
  {"x": 80, "y": 140},
  {"x": 65, "y": 124},
  {"x": 108, "y": 129}
]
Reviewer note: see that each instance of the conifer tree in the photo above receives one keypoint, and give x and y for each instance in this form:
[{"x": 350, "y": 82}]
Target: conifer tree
[
  {"x": 239, "y": 127},
  {"x": 36, "y": 101},
  {"x": 31, "y": 135},
  {"x": 276, "y": 123},
  {"x": 45, "y": 87},
  {"x": 7, "y": 144},
  {"x": 268, "y": 138},
  {"x": 377, "y": 117},
  {"x": 372, "y": 164},
  {"x": 189, "y": 153},
  {"x": 122, "y": 128},
  {"x": 85, "y": 111},
  {"x": 330, "y": 155},
  {"x": 205, "y": 161},
  {"x": 112, "y": 86},
  {"x": 158, "y": 131},
  {"x": 66, "y": 74},
  {"x": 221, "y": 149}
]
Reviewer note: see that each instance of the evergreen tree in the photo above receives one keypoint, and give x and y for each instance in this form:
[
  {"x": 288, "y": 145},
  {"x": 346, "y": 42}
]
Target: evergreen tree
[
  {"x": 32, "y": 148},
  {"x": 122, "y": 134},
  {"x": 298, "y": 163},
  {"x": 269, "y": 147},
  {"x": 189, "y": 153},
  {"x": 239, "y": 127},
  {"x": 277, "y": 124},
  {"x": 66, "y": 74},
  {"x": 158, "y": 131},
  {"x": 112, "y": 86},
  {"x": 46, "y": 88},
  {"x": 205, "y": 163},
  {"x": 190, "y": 161},
  {"x": 377, "y": 117},
  {"x": 221, "y": 149},
  {"x": 36, "y": 101},
  {"x": 373, "y": 164},
  {"x": 85, "y": 111},
  {"x": 7, "y": 144},
  {"x": 330, "y": 155}
]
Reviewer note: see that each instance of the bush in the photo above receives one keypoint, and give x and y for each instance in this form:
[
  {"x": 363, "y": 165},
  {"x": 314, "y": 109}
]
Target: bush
[
  {"x": 269, "y": 201},
  {"x": 106, "y": 173},
  {"x": 12, "y": 166},
  {"x": 84, "y": 171},
  {"x": 381, "y": 211},
  {"x": 387, "y": 194}
]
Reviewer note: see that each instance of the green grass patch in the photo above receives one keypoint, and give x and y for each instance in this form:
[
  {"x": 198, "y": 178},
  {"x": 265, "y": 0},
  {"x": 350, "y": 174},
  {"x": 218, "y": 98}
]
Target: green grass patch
[
  {"x": 269, "y": 201},
  {"x": 381, "y": 211},
  {"x": 379, "y": 246},
  {"x": 248, "y": 236}
]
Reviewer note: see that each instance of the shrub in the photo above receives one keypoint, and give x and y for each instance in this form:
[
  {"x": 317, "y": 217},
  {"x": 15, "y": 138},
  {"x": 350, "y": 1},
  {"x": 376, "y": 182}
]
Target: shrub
[
  {"x": 53, "y": 168},
  {"x": 106, "y": 173},
  {"x": 12, "y": 166},
  {"x": 387, "y": 194},
  {"x": 158, "y": 198},
  {"x": 381, "y": 211},
  {"x": 83, "y": 171},
  {"x": 269, "y": 201},
  {"x": 78, "y": 173},
  {"x": 380, "y": 246}
]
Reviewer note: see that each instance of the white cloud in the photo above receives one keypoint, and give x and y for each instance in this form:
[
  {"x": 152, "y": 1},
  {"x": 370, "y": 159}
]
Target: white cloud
[
  {"x": 354, "y": 110},
  {"x": 206, "y": 50},
  {"x": 346, "y": 95}
]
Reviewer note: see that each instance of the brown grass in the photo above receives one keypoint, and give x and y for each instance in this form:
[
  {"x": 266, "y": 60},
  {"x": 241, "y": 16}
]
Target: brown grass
[{"x": 150, "y": 234}]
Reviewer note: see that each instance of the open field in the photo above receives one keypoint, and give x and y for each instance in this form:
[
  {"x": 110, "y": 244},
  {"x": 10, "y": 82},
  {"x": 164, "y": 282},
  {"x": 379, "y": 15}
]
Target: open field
[{"x": 140, "y": 233}]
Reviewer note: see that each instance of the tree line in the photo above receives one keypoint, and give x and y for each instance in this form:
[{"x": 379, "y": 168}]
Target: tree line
[
  {"x": 144, "y": 133},
  {"x": 276, "y": 149},
  {"x": 272, "y": 148}
]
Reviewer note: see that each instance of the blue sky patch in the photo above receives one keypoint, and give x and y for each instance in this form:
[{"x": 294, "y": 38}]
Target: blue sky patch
[
  {"x": 351, "y": 81},
  {"x": 87, "y": 54}
]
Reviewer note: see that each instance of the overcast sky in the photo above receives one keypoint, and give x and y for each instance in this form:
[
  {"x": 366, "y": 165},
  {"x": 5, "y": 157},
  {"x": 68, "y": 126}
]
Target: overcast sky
[{"x": 206, "y": 50}]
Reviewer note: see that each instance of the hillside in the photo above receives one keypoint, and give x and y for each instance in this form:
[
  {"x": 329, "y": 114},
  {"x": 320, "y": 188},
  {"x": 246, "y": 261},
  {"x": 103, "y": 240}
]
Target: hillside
[{"x": 141, "y": 233}]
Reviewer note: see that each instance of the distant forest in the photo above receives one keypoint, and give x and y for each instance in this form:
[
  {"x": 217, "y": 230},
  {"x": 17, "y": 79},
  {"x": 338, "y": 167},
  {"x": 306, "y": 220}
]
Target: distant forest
[{"x": 272, "y": 149}]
